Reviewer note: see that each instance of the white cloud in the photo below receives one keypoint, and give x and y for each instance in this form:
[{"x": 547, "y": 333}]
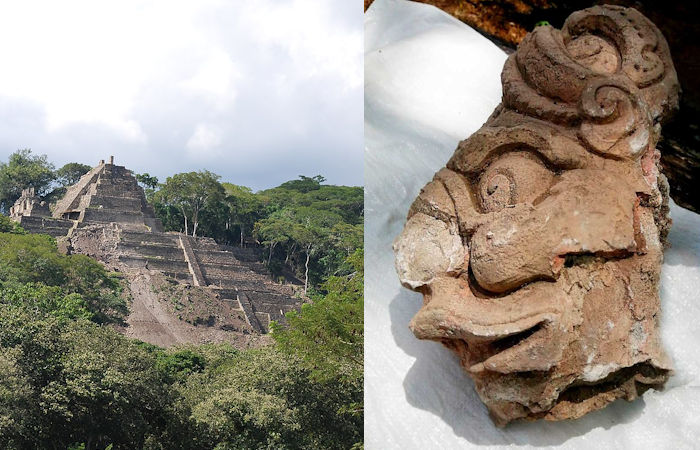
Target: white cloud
[
  {"x": 305, "y": 29},
  {"x": 272, "y": 88},
  {"x": 204, "y": 139},
  {"x": 215, "y": 78}
]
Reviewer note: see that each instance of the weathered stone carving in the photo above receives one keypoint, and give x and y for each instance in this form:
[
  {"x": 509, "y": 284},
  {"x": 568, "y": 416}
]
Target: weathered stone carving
[
  {"x": 29, "y": 204},
  {"x": 538, "y": 247}
]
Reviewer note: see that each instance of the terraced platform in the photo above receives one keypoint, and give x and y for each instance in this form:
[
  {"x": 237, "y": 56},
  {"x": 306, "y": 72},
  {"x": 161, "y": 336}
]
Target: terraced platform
[
  {"x": 229, "y": 270},
  {"x": 109, "y": 195}
]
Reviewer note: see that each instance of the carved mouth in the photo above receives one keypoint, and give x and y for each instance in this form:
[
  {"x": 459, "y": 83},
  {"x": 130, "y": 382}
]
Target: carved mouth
[
  {"x": 527, "y": 344},
  {"x": 528, "y": 350},
  {"x": 628, "y": 383},
  {"x": 532, "y": 348},
  {"x": 512, "y": 332},
  {"x": 490, "y": 353}
]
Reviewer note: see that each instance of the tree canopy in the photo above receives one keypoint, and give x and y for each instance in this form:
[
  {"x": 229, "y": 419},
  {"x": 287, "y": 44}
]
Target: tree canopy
[
  {"x": 70, "y": 173},
  {"x": 69, "y": 379},
  {"x": 302, "y": 224},
  {"x": 68, "y": 382},
  {"x": 190, "y": 193},
  {"x": 146, "y": 180},
  {"x": 24, "y": 170}
]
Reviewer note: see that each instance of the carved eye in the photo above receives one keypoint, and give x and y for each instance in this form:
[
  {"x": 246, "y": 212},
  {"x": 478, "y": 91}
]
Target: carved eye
[
  {"x": 515, "y": 177},
  {"x": 496, "y": 191}
]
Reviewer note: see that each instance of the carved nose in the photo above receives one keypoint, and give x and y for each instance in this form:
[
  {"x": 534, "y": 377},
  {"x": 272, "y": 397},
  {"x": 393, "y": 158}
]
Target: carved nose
[{"x": 586, "y": 212}]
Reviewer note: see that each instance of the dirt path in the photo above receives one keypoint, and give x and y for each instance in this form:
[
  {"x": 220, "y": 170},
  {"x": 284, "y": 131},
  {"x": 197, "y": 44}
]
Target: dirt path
[
  {"x": 152, "y": 319},
  {"x": 148, "y": 320}
]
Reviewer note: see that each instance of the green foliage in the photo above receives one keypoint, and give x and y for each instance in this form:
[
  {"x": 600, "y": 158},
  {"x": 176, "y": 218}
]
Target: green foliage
[
  {"x": 34, "y": 260},
  {"x": 244, "y": 209},
  {"x": 65, "y": 384},
  {"x": 10, "y": 226},
  {"x": 48, "y": 300},
  {"x": 110, "y": 388},
  {"x": 304, "y": 184},
  {"x": 327, "y": 337},
  {"x": 148, "y": 183},
  {"x": 177, "y": 365},
  {"x": 73, "y": 381},
  {"x": 146, "y": 180},
  {"x": 328, "y": 334},
  {"x": 15, "y": 399},
  {"x": 31, "y": 258},
  {"x": 265, "y": 399},
  {"x": 190, "y": 193},
  {"x": 70, "y": 173},
  {"x": 24, "y": 170},
  {"x": 315, "y": 230}
]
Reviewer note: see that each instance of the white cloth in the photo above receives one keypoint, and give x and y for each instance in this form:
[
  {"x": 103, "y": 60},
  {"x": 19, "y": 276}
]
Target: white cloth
[{"x": 431, "y": 81}]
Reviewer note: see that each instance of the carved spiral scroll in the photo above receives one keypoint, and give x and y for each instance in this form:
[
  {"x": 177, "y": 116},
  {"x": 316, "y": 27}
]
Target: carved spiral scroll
[
  {"x": 616, "y": 122},
  {"x": 607, "y": 72},
  {"x": 635, "y": 38}
]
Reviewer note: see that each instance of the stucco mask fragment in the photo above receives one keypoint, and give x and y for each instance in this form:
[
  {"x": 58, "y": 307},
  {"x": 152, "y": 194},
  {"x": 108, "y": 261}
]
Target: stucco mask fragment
[{"x": 538, "y": 247}]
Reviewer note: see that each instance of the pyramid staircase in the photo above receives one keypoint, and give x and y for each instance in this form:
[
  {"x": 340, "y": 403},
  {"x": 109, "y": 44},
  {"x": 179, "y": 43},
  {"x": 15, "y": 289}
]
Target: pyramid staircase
[
  {"x": 235, "y": 273},
  {"x": 110, "y": 194}
]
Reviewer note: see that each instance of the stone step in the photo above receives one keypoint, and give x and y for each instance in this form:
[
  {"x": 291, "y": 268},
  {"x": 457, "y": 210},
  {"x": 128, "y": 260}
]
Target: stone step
[
  {"x": 204, "y": 243},
  {"x": 115, "y": 203},
  {"x": 231, "y": 263},
  {"x": 154, "y": 224},
  {"x": 116, "y": 177},
  {"x": 250, "y": 313},
  {"x": 46, "y": 225},
  {"x": 264, "y": 320},
  {"x": 184, "y": 277},
  {"x": 46, "y": 222},
  {"x": 216, "y": 257},
  {"x": 270, "y": 298},
  {"x": 31, "y": 221},
  {"x": 115, "y": 169},
  {"x": 151, "y": 238},
  {"x": 239, "y": 272},
  {"x": 227, "y": 260},
  {"x": 244, "y": 253},
  {"x": 151, "y": 249},
  {"x": 277, "y": 315},
  {"x": 275, "y": 308},
  {"x": 163, "y": 265},
  {"x": 243, "y": 284},
  {"x": 102, "y": 215},
  {"x": 55, "y": 232},
  {"x": 110, "y": 190},
  {"x": 169, "y": 265},
  {"x": 241, "y": 253},
  {"x": 212, "y": 274}
]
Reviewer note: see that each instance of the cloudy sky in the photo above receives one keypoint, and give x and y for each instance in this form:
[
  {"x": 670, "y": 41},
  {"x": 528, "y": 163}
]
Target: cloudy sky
[{"x": 258, "y": 92}]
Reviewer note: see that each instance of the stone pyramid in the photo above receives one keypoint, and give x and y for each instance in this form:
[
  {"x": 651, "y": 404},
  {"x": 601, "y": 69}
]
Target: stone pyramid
[
  {"x": 108, "y": 197},
  {"x": 108, "y": 194}
]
